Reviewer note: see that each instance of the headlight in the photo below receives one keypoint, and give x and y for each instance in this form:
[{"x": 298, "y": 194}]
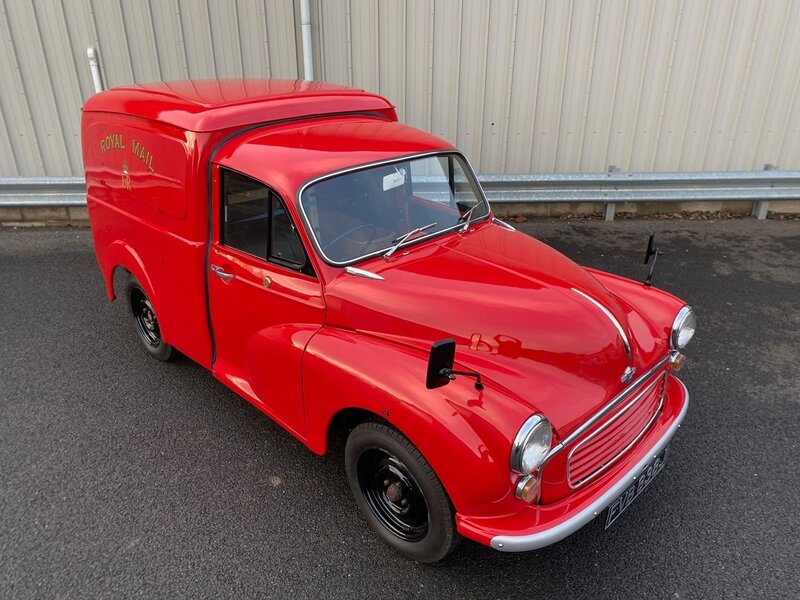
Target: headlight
[
  {"x": 683, "y": 328},
  {"x": 531, "y": 445}
]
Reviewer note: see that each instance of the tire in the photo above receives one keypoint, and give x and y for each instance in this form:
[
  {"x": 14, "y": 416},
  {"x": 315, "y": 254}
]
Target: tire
[
  {"x": 399, "y": 494},
  {"x": 145, "y": 320}
]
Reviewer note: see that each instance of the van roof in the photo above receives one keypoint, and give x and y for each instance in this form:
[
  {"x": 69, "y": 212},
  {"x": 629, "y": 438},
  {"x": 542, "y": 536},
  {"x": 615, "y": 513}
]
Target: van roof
[
  {"x": 215, "y": 104},
  {"x": 307, "y": 150}
]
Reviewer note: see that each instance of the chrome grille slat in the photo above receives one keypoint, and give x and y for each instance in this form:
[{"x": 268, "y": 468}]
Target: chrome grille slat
[
  {"x": 609, "y": 407},
  {"x": 601, "y": 448}
]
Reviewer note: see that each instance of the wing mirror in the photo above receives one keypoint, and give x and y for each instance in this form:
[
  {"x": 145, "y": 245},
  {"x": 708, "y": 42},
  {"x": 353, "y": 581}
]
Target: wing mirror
[
  {"x": 440, "y": 366},
  {"x": 440, "y": 362}
]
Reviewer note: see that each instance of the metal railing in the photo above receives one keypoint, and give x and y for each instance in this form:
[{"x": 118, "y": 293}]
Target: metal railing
[
  {"x": 759, "y": 187},
  {"x": 612, "y": 188},
  {"x": 49, "y": 192}
]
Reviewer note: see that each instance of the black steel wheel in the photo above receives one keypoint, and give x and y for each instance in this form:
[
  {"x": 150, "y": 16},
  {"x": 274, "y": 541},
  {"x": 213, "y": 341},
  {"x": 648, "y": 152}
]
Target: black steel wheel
[
  {"x": 393, "y": 495},
  {"x": 146, "y": 321},
  {"x": 399, "y": 493}
]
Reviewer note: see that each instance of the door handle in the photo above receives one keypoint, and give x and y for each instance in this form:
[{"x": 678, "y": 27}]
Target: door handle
[{"x": 220, "y": 272}]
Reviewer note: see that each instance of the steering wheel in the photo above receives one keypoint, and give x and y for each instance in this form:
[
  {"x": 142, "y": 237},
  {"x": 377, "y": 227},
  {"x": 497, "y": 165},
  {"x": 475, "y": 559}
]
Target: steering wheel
[{"x": 342, "y": 236}]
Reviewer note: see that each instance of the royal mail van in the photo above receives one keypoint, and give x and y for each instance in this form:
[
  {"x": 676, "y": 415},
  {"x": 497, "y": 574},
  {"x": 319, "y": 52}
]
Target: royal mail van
[{"x": 344, "y": 273}]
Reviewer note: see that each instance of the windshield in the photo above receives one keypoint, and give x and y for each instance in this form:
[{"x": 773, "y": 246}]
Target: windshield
[{"x": 368, "y": 211}]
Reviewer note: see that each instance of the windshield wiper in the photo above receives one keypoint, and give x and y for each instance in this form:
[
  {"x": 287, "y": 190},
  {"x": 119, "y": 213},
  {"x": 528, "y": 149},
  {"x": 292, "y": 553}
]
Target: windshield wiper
[
  {"x": 404, "y": 237},
  {"x": 467, "y": 216}
]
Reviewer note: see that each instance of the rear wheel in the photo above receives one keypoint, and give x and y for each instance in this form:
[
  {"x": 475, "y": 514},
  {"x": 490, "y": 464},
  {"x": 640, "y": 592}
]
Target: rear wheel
[
  {"x": 399, "y": 493},
  {"x": 146, "y": 321}
]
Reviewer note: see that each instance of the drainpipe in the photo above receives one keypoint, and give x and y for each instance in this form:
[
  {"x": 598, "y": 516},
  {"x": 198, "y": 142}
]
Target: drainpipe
[
  {"x": 308, "y": 50},
  {"x": 94, "y": 65}
]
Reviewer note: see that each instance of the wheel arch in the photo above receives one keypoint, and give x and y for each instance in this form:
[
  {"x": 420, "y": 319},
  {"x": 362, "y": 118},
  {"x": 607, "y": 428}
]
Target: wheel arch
[
  {"x": 343, "y": 422},
  {"x": 342, "y": 389},
  {"x": 121, "y": 255}
]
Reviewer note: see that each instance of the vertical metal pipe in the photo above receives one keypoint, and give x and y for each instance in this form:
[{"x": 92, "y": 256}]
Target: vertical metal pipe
[
  {"x": 308, "y": 50},
  {"x": 94, "y": 65}
]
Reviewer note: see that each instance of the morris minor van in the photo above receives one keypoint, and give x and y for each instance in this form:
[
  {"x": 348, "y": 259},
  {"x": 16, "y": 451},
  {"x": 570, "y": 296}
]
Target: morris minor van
[{"x": 345, "y": 274}]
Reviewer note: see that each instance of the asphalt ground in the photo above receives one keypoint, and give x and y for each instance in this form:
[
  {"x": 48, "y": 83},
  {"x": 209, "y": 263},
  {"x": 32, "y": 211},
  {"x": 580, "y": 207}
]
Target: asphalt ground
[{"x": 124, "y": 477}]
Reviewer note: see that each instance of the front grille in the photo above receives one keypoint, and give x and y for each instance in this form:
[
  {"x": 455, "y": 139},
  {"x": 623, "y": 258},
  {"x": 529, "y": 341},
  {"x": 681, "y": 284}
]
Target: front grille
[{"x": 607, "y": 441}]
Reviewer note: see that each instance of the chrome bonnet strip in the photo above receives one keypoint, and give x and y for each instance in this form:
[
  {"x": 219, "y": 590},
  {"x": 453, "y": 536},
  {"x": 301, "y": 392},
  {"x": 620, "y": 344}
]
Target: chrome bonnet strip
[
  {"x": 362, "y": 273},
  {"x": 611, "y": 318}
]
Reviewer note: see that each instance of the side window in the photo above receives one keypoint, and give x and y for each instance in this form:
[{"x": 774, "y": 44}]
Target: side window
[
  {"x": 255, "y": 221},
  {"x": 285, "y": 247},
  {"x": 245, "y": 214}
]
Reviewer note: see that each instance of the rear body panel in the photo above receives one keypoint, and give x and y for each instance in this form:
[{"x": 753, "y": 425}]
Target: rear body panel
[{"x": 147, "y": 152}]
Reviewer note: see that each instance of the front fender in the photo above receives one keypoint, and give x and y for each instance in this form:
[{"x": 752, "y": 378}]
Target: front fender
[
  {"x": 658, "y": 306},
  {"x": 465, "y": 434},
  {"x": 650, "y": 312}
]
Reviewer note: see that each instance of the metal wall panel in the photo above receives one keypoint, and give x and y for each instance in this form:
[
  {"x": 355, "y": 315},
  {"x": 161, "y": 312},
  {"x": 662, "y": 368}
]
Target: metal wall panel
[
  {"x": 364, "y": 44},
  {"x": 46, "y": 76},
  {"x": 446, "y": 67},
  {"x": 18, "y": 143},
  {"x": 558, "y": 86},
  {"x": 520, "y": 85},
  {"x": 550, "y": 82}
]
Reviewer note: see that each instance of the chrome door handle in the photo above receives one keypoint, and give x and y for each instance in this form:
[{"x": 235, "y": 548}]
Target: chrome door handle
[{"x": 220, "y": 272}]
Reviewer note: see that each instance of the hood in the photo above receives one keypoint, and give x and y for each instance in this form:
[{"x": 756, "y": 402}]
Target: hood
[{"x": 523, "y": 315}]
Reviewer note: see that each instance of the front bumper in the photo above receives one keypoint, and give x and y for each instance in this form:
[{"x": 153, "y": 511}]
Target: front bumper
[{"x": 539, "y": 526}]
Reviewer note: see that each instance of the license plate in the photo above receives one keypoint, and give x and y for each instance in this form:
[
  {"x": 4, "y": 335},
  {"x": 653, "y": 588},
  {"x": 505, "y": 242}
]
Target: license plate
[{"x": 616, "y": 508}]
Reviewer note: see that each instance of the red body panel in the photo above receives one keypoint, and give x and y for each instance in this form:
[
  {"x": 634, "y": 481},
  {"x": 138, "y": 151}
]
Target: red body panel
[
  {"x": 154, "y": 230},
  {"x": 546, "y": 334}
]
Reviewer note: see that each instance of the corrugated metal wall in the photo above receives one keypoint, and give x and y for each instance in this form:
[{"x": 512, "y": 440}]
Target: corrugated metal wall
[
  {"x": 45, "y": 73},
  {"x": 520, "y": 85},
  {"x": 528, "y": 86}
]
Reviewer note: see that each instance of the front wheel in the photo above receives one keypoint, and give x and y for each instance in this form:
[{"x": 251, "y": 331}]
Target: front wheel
[
  {"x": 144, "y": 316},
  {"x": 399, "y": 493}
]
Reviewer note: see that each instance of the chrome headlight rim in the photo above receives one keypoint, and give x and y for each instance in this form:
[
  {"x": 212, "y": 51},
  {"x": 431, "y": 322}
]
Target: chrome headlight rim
[
  {"x": 684, "y": 316},
  {"x": 533, "y": 426}
]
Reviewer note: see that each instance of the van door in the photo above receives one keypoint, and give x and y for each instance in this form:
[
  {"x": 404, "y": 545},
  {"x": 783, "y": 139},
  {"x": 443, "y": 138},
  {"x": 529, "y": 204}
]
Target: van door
[{"x": 265, "y": 301}]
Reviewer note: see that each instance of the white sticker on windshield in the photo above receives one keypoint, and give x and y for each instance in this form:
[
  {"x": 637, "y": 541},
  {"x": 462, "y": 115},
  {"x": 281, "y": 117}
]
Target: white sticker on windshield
[{"x": 394, "y": 180}]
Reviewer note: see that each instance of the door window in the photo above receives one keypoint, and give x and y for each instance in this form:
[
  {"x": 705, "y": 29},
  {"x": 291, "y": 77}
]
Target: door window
[{"x": 255, "y": 221}]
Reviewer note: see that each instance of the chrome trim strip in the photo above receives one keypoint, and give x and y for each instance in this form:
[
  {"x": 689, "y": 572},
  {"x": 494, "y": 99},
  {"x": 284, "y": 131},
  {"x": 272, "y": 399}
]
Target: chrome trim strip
[
  {"x": 605, "y": 425},
  {"x": 310, "y": 230},
  {"x": 362, "y": 273},
  {"x": 611, "y": 318},
  {"x": 520, "y": 543}
]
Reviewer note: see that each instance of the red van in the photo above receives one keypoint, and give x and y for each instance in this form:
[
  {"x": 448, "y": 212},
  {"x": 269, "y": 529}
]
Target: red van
[{"x": 345, "y": 274}]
